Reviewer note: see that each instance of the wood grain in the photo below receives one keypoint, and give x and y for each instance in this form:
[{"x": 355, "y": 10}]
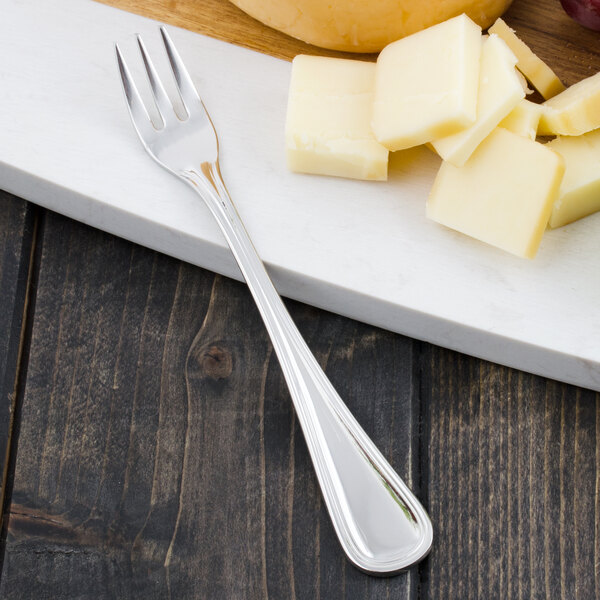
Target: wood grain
[
  {"x": 159, "y": 455},
  {"x": 16, "y": 235},
  {"x": 512, "y": 482}
]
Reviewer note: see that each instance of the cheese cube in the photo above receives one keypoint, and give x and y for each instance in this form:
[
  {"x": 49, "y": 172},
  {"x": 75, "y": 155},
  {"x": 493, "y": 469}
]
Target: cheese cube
[
  {"x": 426, "y": 84},
  {"x": 503, "y": 195},
  {"x": 328, "y": 124},
  {"x": 579, "y": 194},
  {"x": 500, "y": 90},
  {"x": 574, "y": 112},
  {"x": 541, "y": 76},
  {"x": 523, "y": 119},
  {"x": 523, "y": 81}
]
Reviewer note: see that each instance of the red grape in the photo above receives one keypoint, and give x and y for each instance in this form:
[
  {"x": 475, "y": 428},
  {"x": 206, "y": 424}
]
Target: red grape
[{"x": 585, "y": 12}]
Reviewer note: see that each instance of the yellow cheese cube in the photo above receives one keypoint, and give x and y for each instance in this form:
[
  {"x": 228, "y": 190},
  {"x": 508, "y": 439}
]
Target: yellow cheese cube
[
  {"x": 328, "y": 124},
  {"x": 541, "y": 76},
  {"x": 426, "y": 84},
  {"x": 574, "y": 112},
  {"x": 523, "y": 119},
  {"x": 500, "y": 90},
  {"x": 503, "y": 195},
  {"x": 523, "y": 82},
  {"x": 579, "y": 193}
]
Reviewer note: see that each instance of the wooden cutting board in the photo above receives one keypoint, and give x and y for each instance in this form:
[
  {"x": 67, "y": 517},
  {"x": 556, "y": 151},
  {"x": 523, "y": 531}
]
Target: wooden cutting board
[{"x": 572, "y": 51}]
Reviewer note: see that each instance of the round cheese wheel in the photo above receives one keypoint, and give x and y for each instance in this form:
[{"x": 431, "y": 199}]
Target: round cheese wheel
[{"x": 364, "y": 25}]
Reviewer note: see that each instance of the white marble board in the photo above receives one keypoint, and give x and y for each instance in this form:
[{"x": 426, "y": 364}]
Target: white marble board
[{"x": 364, "y": 250}]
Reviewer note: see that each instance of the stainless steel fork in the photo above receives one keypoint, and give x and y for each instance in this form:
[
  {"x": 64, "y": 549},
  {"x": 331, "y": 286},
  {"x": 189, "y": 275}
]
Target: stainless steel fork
[{"x": 382, "y": 527}]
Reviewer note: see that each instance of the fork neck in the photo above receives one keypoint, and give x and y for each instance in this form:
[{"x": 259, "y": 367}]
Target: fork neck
[
  {"x": 207, "y": 181},
  {"x": 207, "y": 173}
]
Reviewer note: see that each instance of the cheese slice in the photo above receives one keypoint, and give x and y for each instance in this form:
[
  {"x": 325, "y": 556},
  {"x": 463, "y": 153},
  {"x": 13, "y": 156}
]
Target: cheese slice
[
  {"x": 523, "y": 119},
  {"x": 541, "y": 76},
  {"x": 500, "y": 90},
  {"x": 579, "y": 194},
  {"x": 328, "y": 124},
  {"x": 503, "y": 195},
  {"x": 574, "y": 112},
  {"x": 426, "y": 84}
]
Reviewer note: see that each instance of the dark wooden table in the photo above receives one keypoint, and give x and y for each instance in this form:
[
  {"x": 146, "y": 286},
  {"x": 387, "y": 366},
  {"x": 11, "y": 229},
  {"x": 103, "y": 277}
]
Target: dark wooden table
[{"x": 152, "y": 450}]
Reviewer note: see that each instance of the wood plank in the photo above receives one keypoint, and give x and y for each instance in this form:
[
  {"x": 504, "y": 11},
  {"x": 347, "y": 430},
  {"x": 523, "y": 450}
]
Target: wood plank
[
  {"x": 513, "y": 464},
  {"x": 565, "y": 45},
  {"x": 159, "y": 455},
  {"x": 16, "y": 236}
]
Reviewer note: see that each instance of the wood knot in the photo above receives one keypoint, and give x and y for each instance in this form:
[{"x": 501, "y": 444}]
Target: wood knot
[{"x": 216, "y": 362}]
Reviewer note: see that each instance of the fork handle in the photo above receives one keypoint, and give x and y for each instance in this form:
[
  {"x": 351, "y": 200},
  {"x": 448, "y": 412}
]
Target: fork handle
[{"x": 381, "y": 525}]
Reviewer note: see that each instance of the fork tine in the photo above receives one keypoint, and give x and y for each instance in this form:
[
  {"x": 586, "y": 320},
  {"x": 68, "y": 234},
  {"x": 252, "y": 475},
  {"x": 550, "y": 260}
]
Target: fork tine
[
  {"x": 165, "y": 108},
  {"x": 137, "y": 110},
  {"x": 186, "y": 86}
]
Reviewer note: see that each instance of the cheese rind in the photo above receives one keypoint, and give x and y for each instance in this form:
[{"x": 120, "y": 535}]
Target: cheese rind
[
  {"x": 426, "y": 84},
  {"x": 523, "y": 119},
  {"x": 500, "y": 90},
  {"x": 541, "y": 76},
  {"x": 573, "y": 112},
  {"x": 579, "y": 194},
  {"x": 503, "y": 195},
  {"x": 364, "y": 25},
  {"x": 328, "y": 119}
]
